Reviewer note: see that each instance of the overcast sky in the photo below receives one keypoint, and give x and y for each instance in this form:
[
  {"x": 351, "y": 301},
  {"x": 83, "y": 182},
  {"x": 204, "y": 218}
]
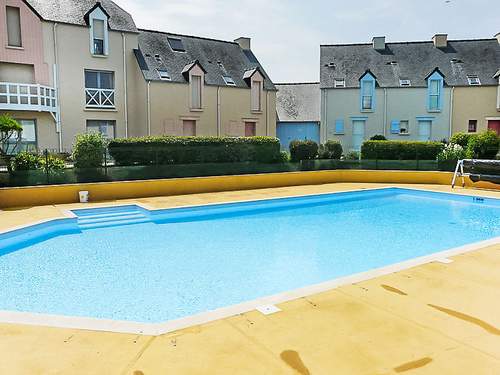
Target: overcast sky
[{"x": 286, "y": 34}]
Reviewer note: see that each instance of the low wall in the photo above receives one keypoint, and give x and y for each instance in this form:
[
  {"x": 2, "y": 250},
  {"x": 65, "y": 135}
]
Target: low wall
[{"x": 58, "y": 194}]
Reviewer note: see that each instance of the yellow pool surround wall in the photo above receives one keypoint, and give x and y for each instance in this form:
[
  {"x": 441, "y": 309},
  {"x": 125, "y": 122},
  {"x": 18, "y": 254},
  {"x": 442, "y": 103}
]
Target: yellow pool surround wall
[{"x": 59, "y": 194}]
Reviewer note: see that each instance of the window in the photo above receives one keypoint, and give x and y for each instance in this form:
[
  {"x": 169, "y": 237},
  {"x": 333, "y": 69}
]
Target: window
[
  {"x": 13, "y": 27},
  {"x": 98, "y": 32},
  {"x": 229, "y": 81},
  {"x": 250, "y": 129},
  {"x": 367, "y": 92},
  {"x": 104, "y": 127},
  {"x": 339, "y": 83},
  {"x": 99, "y": 89},
  {"x": 176, "y": 44},
  {"x": 434, "y": 92},
  {"x": 404, "y": 82},
  {"x": 189, "y": 128},
  {"x": 256, "y": 96},
  {"x": 196, "y": 92},
  {"x": 404, "y": 127},
  {"x": 164, "y": 76},
  {"x": 473, "y": 80},
  {"x": 28, "y": 136},
  {"x": 472, "y": 126},
  {"x": 339, "y": 126}
]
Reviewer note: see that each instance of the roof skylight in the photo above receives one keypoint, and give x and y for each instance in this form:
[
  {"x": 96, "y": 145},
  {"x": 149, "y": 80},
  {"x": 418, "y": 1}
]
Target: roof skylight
[
  {"x": 473, "y": 80},
  {"x": 404, "y": 82},
  {"x": 164, "y": 76},
  {"x": 176, "y": 44},
  {"x": 229, "y": 80}
]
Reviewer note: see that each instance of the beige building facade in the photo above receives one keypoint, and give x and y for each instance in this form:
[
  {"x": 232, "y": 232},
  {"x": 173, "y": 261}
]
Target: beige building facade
[{"x": 75, "y": 69}]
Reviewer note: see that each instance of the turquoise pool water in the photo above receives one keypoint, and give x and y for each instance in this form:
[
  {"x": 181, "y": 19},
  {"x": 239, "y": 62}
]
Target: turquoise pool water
[{"x": 131, "y": 264}]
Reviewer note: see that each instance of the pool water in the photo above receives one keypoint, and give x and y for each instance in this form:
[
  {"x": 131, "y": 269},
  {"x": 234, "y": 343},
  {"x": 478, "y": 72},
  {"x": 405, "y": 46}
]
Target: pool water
[{"x": 175, "y": 263}]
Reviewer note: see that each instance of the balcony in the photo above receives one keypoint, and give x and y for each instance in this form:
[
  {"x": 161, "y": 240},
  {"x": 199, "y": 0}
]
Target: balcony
[
  {"x": 27, "y": 97},
  {"x": 100, "y": 98}
]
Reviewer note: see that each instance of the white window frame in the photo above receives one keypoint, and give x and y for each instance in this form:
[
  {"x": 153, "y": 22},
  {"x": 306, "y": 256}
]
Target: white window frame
[
  {"x": 98, "y": 14},
  {"x": 473, "y": 80},
  {"x": 7, "y": 27},
  {"x": 339, "y": 83},
  {"x": 163, "y": 77},
  {"x": 401, "y": 132},
  {"x": 100, "y": 124},
  {"x": 192, "y": 86},
  {"x": 228, "y": 80}
]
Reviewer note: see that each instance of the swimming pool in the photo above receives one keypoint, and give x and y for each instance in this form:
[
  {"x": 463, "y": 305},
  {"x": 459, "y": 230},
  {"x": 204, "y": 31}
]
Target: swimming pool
[{"x": 130, "y": 264}]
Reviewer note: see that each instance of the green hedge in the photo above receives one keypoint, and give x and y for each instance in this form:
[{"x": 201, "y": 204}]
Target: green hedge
[
  {"x": 400, "y": 150},
  {"x": 303, "y": 150},
  {"x": 189, "y": 150}
]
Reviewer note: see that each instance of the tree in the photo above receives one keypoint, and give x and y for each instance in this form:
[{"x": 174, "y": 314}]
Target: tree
[{"x": 10, "y": 137}]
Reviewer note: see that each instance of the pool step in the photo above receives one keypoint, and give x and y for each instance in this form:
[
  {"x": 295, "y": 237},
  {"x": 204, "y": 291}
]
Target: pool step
[{"x": 112, "y": 216}]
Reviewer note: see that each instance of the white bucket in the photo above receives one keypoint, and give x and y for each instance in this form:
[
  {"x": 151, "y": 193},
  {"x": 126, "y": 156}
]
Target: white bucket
[{"x": 84, "y": 196}]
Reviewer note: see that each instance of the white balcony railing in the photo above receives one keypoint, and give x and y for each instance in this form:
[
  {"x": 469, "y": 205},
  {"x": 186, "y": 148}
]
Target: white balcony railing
[
  {"x": 27, "y": 97},
  {"x": 100, "y": 98}
]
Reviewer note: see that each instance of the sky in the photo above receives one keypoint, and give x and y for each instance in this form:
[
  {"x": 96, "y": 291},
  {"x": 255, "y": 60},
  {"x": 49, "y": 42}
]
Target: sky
[{"x": 286, "y": 34}]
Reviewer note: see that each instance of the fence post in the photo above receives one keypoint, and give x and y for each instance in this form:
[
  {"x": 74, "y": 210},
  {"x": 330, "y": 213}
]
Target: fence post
[{"x": 46, "y": 154}]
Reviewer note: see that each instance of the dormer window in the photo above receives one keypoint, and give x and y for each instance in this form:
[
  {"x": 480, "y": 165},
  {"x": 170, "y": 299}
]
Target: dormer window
[
  {"x": 404, "y": 82},
  {"x": 229, "y": 80},
  {"x": 339, "y": 83},
  {"x": 164, "y": 76},
  {"x": 256, "y": 95},
  {"x": 98, "y": 21},
  {"x": 435, "y": 86},
  {"x": 473, "y": 80},
  {"x": 367, "y": 94},
  {"x": 13, "y": 27}
]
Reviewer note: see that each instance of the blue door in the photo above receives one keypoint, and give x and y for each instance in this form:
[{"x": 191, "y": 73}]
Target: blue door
[{"x": 290, "y": 131}]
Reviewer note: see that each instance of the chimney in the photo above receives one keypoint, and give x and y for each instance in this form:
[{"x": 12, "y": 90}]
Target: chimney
[
  {"x": 379, "y": 43},
  {"x": 243, "y": 42},
  {"x": 440, "y": 40},
  {"x": 498, "y": 37}
]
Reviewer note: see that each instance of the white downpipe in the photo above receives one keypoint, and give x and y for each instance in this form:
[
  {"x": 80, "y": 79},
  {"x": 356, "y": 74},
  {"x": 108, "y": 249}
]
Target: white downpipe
[
  {"x": 149, "y": 107},
  {"x": 452, "y": 93},
  {"x": 385, "y": 113},
  {"x": 267, "y": 113},
  {"x": 56, "y": 85},
  {"x": 125, "y": 105},
  {"x": 218, "y": 112}
]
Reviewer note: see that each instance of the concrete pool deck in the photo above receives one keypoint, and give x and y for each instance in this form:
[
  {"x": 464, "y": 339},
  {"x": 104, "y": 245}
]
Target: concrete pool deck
[{"x": 435, "y": 318}]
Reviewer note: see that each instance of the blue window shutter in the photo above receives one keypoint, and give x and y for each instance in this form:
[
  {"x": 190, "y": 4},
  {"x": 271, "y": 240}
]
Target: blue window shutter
[
  {"x": 339, "y": 126},
  {"x": 395, "y": 127}
]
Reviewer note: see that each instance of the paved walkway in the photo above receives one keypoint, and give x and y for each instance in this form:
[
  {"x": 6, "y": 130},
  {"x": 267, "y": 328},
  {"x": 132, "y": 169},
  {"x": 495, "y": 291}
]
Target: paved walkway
[{"x": 431, "y": 319}]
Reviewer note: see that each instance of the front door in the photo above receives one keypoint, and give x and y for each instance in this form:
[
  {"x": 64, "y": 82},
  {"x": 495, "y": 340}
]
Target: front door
[
  {"x": 424, "y": 131},
  {"x": 358, "y": 134},
  {"x": 494, "y": 125}
]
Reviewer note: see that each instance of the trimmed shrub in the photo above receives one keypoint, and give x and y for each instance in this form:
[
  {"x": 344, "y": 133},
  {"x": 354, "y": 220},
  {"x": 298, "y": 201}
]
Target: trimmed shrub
[
  {"x": 378, "y": 137},
  {"x": 351, "y": 155},
  {"x": 88, "y": 150},
  {"x": 330, "y": 150},
  {"x": 401, "y": 150},
  {"x": 483, "y": 146},
  {"x": 190, "y": 150},
  {"x": 25, "y": 161},
  {"x": 303, "y": 150},
  {"x": 461, "y": 139}
]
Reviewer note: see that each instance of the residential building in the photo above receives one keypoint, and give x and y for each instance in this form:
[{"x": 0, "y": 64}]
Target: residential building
[
  {"x": 298, "y": 107},
  {"x": 75, "y": 66},
  {"x": 203, "y": 87},
  {"x": 406, "y": 91}
]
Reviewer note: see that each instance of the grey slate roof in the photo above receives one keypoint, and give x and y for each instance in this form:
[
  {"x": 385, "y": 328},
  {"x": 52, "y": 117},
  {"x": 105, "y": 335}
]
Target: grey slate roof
[
  {"x": 73, "y": 12},
  {"x": 217, "y": 57},
  {"x": 414, "y": 61},
  {"x": 298, "y": 102}
]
